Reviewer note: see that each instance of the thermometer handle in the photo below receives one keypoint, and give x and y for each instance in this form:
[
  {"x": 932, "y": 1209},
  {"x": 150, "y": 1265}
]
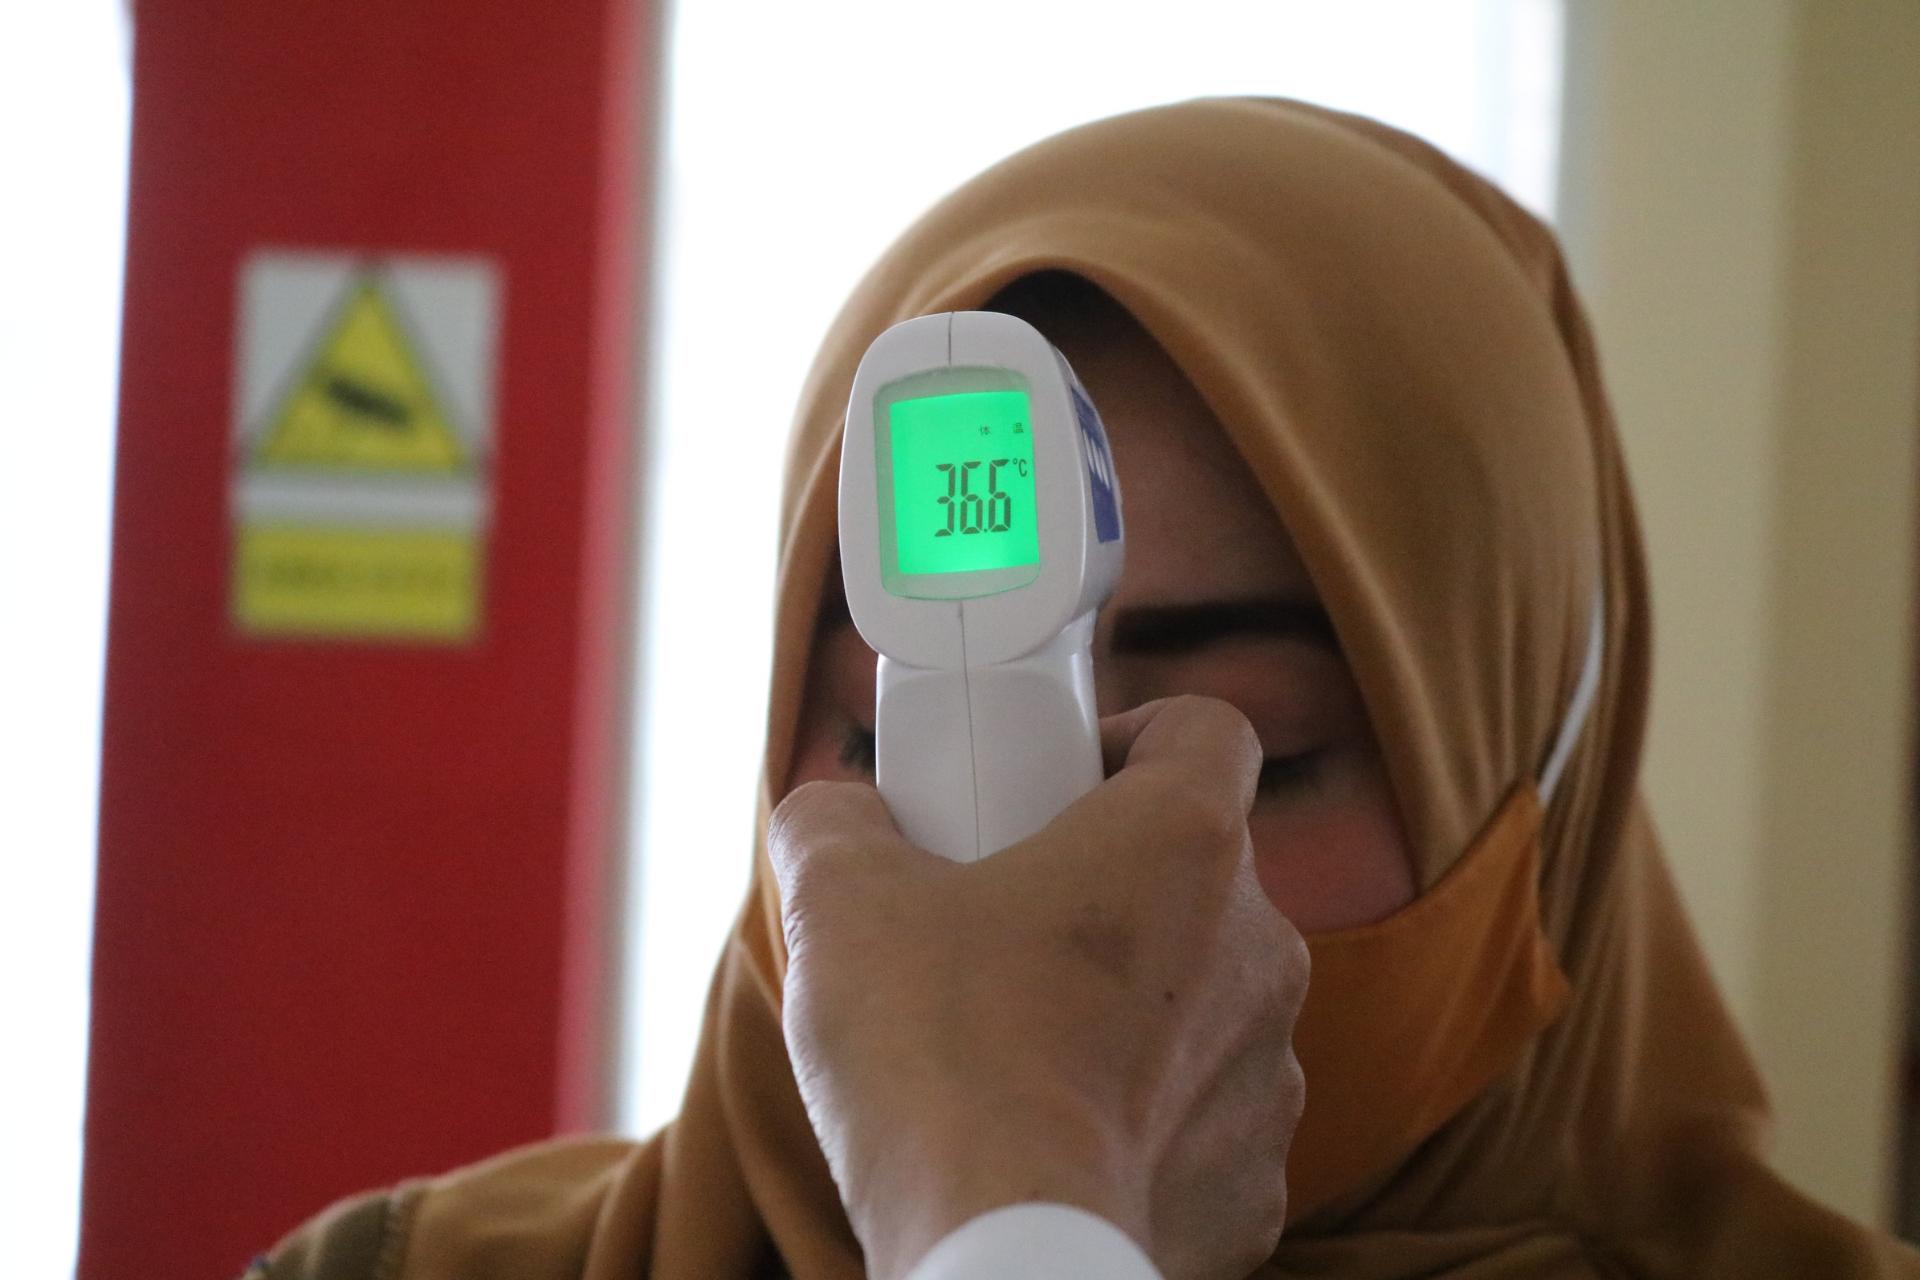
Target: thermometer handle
[{"x": 972, "y": 761}]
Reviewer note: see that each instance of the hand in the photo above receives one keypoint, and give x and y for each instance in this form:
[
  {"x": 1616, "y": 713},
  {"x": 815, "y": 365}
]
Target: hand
[{"x": 1101, "y": 1015}]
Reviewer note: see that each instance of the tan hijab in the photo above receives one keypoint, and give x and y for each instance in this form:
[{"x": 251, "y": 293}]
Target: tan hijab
[{"x": 1528, "y": 1071}]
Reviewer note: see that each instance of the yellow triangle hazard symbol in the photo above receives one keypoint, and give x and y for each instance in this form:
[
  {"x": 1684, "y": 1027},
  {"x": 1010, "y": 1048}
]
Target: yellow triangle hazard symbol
[{"x": 364, "y": 402}]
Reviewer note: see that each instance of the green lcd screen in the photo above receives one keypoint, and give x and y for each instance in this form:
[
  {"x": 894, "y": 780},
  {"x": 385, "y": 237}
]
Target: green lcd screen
[{"x": 963, "y": 493}]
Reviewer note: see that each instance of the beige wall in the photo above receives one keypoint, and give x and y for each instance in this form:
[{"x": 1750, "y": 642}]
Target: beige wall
[{"x": 1741, "y": 199}]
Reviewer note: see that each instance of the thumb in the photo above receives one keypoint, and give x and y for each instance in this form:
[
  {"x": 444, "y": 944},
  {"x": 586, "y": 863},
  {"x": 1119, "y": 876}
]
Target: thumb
[
  {"x": 825, "y": 830},
  {"x": 1205, "y": 742}
]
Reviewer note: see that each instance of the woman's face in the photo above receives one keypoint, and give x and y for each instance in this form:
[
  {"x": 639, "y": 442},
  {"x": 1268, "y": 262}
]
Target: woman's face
[{"x": 1213, "y": 600}]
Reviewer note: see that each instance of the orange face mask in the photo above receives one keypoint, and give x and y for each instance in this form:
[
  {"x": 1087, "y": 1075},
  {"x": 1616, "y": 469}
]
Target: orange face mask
[{"x": 1407, "y": 1019}]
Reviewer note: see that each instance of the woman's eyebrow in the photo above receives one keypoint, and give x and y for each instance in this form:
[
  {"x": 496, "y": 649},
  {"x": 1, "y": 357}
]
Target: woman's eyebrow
[{"x": 1182, "y": 628}]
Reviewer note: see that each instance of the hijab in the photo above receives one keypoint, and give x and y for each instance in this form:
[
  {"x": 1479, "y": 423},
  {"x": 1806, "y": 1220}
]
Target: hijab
[{"x": 1527, "y": 1072}]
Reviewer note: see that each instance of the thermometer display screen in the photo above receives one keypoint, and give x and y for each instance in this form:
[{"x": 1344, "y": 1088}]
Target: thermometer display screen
[{"x": 963, "y": 491}]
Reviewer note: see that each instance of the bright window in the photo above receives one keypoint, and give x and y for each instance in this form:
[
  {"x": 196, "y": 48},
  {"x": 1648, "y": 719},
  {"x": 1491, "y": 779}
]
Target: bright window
[
  {"x": 64, "y": 107},
  {"x": 801, "y": 140}
]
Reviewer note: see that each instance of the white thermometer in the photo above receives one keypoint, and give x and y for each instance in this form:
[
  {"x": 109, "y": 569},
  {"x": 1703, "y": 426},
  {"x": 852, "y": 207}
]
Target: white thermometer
[{"x": 979, "y": 534}]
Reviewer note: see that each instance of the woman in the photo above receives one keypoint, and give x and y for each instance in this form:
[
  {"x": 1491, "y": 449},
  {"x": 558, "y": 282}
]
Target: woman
[{"x": 1343, "y": 374}]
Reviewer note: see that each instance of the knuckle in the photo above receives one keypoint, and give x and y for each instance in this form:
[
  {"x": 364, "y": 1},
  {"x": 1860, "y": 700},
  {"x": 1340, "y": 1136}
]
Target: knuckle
[
  {"x": 1198, "y": 706},
  {"x": 1267, "y": 1242},
  {"x": 808, "y": 826},
  {"x": 803, "y": 846},
  {"x": 1218, "y": 717},
  {"x": 797, "y": 909},
  {"x": 1283, "y": 950},
  {"x": 1296, "y": 958},
  {"x": 1188, "y": 704},
  {"x": 1293, "y": 1090},
  {"x": 1203, "y": 821},
  {"x": 795, "y": 815},
  {"x": 1288, "y": 971},
  {"x": 1223, "y": 828},
  {"x": 1277, "y": 964},
  {"x": 1262, "y": 1203}
]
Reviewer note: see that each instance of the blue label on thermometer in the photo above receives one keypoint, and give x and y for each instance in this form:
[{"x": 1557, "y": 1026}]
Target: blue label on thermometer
[{"x": 1106, "y": 512}]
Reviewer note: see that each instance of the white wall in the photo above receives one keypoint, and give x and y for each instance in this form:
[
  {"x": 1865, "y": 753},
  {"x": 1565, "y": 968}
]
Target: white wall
[{"x": 1741, "y": 198}]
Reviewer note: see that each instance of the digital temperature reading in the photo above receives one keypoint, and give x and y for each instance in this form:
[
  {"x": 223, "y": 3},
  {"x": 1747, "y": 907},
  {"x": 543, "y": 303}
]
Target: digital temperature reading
[
  {"x": 980, "y": 534},
  {"x": 963, "y": 491}
]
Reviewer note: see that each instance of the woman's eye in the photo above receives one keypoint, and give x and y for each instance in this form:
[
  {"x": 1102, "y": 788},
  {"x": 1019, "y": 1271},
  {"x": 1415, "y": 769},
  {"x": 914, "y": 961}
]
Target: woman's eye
[
  {"x": 1280, "y": 774},
  {"x": 856, "y": 748}
]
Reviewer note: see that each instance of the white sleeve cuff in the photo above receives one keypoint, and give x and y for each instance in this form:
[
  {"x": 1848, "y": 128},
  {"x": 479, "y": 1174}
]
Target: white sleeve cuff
[{"x": 1036, "y": 1242}]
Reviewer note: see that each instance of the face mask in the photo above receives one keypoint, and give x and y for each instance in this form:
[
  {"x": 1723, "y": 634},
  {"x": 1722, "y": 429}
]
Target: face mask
[{"x": 1406, "y": 1020}]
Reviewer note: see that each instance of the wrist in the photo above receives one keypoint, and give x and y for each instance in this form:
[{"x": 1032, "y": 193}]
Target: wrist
[{"x": 929, "y": 1183}]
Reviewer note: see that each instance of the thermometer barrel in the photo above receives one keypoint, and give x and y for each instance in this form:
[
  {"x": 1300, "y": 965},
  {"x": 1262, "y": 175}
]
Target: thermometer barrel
[
  {"x": 980, "y": 532},
  {"x": 1030, "y": 745}
]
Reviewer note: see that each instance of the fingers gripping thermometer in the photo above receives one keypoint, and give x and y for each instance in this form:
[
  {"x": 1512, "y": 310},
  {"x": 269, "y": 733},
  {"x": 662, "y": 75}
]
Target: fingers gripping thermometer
[{"x": 980, "y": 533}]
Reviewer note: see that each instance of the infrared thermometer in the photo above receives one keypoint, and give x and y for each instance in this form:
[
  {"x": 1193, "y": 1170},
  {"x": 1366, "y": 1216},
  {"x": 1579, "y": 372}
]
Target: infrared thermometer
[{"x": 980, "y": 533}]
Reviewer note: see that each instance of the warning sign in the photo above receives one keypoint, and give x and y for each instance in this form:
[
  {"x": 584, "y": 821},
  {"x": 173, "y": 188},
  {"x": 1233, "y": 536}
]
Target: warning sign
[
  {"x": 343, "y": 582},
  {"x": 363, "y": 429},
  {"x": 365, "y": 401}
]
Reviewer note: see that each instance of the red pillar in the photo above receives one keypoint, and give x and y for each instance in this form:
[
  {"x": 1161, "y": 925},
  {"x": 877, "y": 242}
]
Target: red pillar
[{"x": 355, "y": 890}]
